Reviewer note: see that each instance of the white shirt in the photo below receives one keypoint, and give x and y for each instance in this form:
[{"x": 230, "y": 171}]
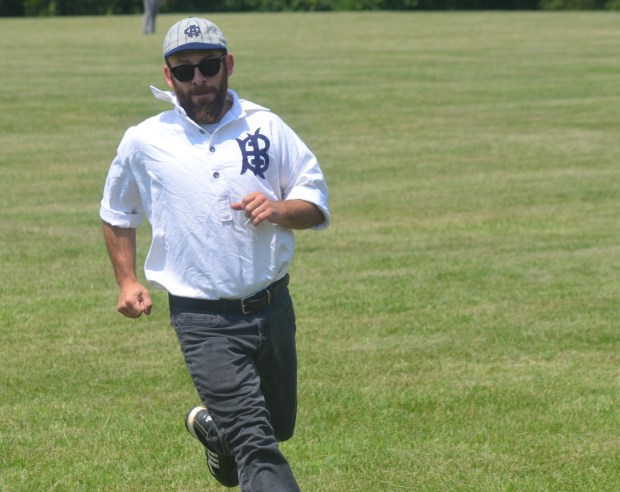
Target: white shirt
[{"x": 184, "y": 180}]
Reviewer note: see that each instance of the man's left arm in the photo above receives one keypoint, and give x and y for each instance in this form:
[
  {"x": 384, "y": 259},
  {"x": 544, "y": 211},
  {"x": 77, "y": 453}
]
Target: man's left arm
[{"x": 294, "y": 214}]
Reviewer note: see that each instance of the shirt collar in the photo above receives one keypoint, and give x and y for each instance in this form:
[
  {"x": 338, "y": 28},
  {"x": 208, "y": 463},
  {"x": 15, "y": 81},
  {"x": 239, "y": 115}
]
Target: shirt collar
[{"x": 235, "y": 112}]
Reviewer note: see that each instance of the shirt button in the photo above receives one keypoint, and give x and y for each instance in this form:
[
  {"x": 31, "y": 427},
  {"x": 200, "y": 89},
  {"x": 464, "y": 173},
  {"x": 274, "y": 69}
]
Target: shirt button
[
  {"x": 212, "y": 149},
  {"x": 216, "y": 175}
]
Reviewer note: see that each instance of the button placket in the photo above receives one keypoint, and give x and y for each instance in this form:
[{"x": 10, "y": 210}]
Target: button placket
[
  {"x": 221, "y": 187},
  {"x": 216, "y": 174}
]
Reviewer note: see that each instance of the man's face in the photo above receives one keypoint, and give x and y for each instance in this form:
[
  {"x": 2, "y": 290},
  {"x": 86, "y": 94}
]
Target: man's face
[{"x": 203, "y": 97}]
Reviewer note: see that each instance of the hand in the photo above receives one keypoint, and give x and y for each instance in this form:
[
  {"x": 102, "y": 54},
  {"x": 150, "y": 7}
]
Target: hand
[
  {"x": 134, "y": 300},
  {"x": 258, "y": 208}
]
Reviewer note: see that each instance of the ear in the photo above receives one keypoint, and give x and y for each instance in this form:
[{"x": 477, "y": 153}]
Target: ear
[
  {"x": 230, "y": 64},
  {"x": 168, "y": 75}
]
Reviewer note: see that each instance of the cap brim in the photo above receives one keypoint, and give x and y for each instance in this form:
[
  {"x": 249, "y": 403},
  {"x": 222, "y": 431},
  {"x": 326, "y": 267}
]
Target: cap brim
[{"x": 194, "y": 46}]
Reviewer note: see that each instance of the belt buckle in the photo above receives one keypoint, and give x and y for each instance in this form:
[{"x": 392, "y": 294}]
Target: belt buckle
[
  {"x": 244, "y": 311},
  {"x": 254, "y": 297}
]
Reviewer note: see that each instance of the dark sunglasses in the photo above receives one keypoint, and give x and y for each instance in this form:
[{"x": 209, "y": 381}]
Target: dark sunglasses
[{"x": 208, "y": 68}]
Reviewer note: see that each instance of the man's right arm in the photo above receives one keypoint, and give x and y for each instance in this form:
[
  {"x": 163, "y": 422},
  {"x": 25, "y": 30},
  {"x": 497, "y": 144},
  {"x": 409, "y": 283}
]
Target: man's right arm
[{"x": 134, "y": 298}]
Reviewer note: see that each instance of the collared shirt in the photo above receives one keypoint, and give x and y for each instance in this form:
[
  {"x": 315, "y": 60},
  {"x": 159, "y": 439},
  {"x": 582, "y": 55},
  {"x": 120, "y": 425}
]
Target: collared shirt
[{"x": 184, "y": 180}]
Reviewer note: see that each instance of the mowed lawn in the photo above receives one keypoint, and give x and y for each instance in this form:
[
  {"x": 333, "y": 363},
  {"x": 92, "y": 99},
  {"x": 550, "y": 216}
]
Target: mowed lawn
[{"x": 457, "y": 326}]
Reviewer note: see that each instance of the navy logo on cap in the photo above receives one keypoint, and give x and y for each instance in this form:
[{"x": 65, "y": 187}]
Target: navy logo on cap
[
  {"x": 254, "y": 150},
  {"x": 192, "y": 31}
]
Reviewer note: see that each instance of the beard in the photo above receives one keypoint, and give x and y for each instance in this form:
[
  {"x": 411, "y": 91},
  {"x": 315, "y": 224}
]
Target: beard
[{"x": 204, "y": 113}]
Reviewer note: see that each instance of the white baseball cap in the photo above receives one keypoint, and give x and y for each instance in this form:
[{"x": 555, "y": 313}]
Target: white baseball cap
[{"x": 193, "y": 33}]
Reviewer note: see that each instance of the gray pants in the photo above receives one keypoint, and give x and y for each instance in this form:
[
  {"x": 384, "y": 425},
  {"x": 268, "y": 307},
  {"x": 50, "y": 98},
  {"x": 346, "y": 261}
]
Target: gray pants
[
  {"x": 151, "y": 7},
  {"x": 245, "y": 371}
]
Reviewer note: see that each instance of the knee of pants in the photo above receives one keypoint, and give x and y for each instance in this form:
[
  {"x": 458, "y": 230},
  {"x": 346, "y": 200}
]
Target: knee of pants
[
  {"x": 283, "y": 429},
  {"x": 283, "y": 435}
]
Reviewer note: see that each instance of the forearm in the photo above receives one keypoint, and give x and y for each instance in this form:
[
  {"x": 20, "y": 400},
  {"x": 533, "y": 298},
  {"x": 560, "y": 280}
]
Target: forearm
[
  {"x": 298, "y": 214},
  {"x": 294, "y": 214},
  {"x": 121, "y": 245},
  {"x": 134, "y": 299}
]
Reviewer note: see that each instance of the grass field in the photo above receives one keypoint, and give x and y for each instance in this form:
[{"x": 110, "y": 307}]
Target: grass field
[{"x": 458, "y": 324}]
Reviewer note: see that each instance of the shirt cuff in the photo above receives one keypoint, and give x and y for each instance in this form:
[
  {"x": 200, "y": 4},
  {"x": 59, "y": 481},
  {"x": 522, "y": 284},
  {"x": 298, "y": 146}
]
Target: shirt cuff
[{"x": 120, "y": 219}]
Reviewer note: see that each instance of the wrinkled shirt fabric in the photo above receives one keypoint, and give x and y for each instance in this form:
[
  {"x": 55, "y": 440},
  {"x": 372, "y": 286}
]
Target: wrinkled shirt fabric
[{"x": 184, "y": 179}]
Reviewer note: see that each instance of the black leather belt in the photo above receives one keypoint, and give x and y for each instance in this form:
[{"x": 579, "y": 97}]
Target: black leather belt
[{"x": 248, "y": 305}]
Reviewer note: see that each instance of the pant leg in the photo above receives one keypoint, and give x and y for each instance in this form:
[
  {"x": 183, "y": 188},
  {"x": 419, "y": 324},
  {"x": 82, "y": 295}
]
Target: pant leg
[
  {"x": 220, "y": 352},
  {"x": 151, "y": 8},
  {"x": 277, "y": 366}
]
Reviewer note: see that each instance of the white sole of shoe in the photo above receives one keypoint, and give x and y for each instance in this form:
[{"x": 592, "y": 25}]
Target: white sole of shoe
[{"x": 190, "y": 421}]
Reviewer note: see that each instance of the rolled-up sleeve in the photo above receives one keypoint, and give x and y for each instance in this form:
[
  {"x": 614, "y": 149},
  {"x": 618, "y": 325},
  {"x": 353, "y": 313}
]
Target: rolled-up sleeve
[
  {"x": 121, "y": 205},
  {"x": 304, "y": 179},
  {"x": 310, "y": 186}
]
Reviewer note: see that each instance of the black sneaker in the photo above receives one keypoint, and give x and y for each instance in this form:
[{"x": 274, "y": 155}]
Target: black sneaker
[{"x": 222, "y": 467}]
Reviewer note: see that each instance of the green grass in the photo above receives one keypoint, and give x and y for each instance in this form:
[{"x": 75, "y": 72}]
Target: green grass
[{"x": 458, "y": 324}]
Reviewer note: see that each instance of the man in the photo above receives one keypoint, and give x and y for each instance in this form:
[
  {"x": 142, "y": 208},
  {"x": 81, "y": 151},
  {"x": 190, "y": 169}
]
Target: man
[
  {"x": 151, "y": 7},
  {"x": 223, "y": 182}
]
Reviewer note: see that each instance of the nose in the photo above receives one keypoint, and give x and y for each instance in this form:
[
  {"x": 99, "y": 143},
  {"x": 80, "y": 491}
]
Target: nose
[{"x": 197, "y": 74}]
